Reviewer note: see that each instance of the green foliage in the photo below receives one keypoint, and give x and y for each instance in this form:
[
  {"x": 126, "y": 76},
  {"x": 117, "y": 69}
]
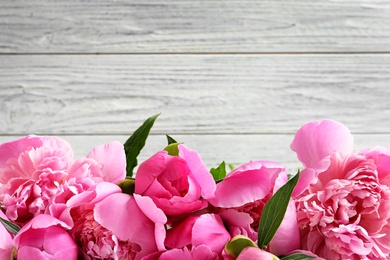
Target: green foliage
[
  {"x": 219, "y": 173},
  {"x": 11, "y": 227},
  {"x": 170, "y": 140},
  {"x": 297, "y": 257},
  {"x": 136, "y": 142}
]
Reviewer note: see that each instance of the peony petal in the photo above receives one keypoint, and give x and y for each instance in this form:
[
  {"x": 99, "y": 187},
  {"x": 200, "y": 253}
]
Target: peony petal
[
  {"x": 111, "y": 156},
  {"x": 156, "y": 215},
  {"x": 149, "y": 170},
  {"x": 255, "y": 253},
  {"x": 381, "y": 156},
  {"x": 199, "y": 252},
  {"x": 181, "y": 235},
  {"x": 28, "y": 252},
  {"x": 209, "y": 229},
  {"x": 56, "y": 239},
  {"x": 5, "y": 236},
  {"x": 199, "y": 171},
  {"x": 318, "y": 139},
  {"x": 246, "y": 184}
]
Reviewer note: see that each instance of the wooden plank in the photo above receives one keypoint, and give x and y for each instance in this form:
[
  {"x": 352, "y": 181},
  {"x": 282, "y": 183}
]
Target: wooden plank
[
  {"x": 194, "y": 26},
  {"x": 235, "y": 149},
  {"x": 114, "y": 94}
]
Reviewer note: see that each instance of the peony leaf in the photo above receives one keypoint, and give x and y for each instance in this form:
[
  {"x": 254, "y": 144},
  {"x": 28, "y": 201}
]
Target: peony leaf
[
  {"x": 298, "y": 256},
  {"x": 136, "y": 142},
  {"x": 170, "y": 140},
  {"x": 219, "y": 173},
  {"x": 11, "y": 227},
  {"x": 237, "y": 244},
  {"x": 274, "y": 211}
]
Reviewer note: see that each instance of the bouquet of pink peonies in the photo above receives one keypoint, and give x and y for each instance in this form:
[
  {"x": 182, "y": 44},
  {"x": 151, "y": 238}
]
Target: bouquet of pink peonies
[{"x": 55, "y": 207}]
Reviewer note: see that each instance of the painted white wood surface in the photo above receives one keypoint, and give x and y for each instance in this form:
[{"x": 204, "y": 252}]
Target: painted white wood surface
[
  {"x": 113, "y": 94},
  {"x": 233, "y": 79},
  {"x": 194, "y": 26}
]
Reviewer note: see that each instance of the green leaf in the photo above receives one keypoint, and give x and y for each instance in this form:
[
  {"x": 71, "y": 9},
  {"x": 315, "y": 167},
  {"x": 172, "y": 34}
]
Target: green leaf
[
  {"x": 297, "y": 257},
  {"x": 219, "y": 173},
  {"x": 237, "y": 244},
  {"x": 231, "y": 166},
  {"x": 11, "y": 227},
  {"x": 170, "y": 140},
  {"x": 274, "y": 211},
  {"x": 136, "y": 142},
  {"x": 172, "y": 149}
]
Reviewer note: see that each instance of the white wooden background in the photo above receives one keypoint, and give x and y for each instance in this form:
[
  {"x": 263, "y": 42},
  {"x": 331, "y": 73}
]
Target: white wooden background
[{"x": 232, "y": 79}]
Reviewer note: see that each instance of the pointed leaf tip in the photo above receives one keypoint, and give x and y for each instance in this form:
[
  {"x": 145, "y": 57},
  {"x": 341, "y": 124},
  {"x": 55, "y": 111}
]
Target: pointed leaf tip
[{"x": 136, "y": 142}]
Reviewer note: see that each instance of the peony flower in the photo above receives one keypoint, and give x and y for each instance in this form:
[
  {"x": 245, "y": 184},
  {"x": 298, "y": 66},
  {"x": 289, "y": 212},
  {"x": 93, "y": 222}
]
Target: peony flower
[
  {"x": 108, "y": 224},
  {"x": 175, "y": 183},
  {"x": 241, "y": 196},
  {"x": 31, "y": 169},
  {"x": 45, "y": 238},
  {"x": 36, "y": 172},
  {"x": 343, "y": 202},
  {"x": 195, "y": 231}
]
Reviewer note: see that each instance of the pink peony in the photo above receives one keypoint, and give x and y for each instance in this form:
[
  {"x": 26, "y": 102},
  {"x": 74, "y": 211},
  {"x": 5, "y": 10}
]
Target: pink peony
[
  {"x": 36, "y": 172},
  {"x": 343, "y": 201},
  {"x": 108, "y": 224},
  {"x": 45, "y": 238},
  {"x": 31, "y": 169},
  {"x": 176, "y": 184},
  {"x": 206, "y": 229},
  {"x": 241, "y": 196}
]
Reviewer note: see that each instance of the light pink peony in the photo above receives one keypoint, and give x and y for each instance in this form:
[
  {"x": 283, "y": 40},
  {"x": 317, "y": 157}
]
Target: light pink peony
[
  {"x": 45, "y": 238},
  {"x": 176, "y": 184},
  {"x": 37, "y": 171},
  {"x": 31, "y": 169},
  {"x": 206, "y": 229},
  {"x": 108, "y": 224},
  {"x": 241, "y": 196},
  {"x": 344, "y": 201}
]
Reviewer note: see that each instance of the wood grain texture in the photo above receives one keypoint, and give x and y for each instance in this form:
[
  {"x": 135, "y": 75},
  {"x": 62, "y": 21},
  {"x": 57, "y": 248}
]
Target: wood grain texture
[
  {"x": 113, "y": 94},
  {"x": 113, "y": 26},
  {"x": 235, "y": 149}
]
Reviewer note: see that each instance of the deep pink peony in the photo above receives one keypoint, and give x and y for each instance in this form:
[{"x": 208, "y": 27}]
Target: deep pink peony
[
  {"x": 108, "y": 224},
  {"x": 45, "y": 238},
  {"x": 206, "y": 229},
  {"x": 343, "y": 201},
  {"x": 240, "y": 198},
  {"x": 37, "y": 171},
  {"x": 176, "y": 184}
]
